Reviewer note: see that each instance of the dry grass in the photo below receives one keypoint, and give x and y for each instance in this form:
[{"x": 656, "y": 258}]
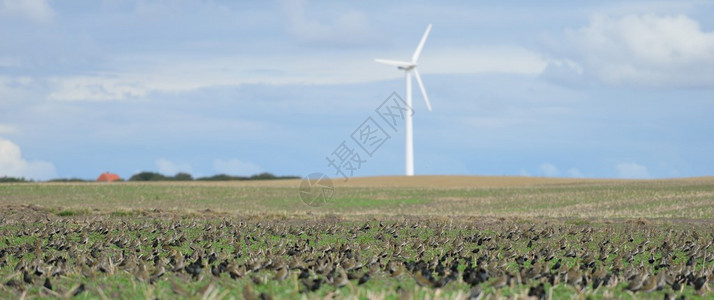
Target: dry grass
[{"x": 459, "y": 196}]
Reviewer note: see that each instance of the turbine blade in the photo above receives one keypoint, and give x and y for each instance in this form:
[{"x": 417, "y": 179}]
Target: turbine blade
[
  {"x": 421, "y": 45},
  {"x": 397, "y": 63},
  {"x": 421, "y": 86}
]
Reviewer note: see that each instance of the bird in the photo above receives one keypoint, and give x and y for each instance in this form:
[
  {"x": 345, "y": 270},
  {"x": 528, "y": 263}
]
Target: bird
[
  {"x": 649, "y": 285},
  {"x": 81, "y": 288},
  {"x": 444, "y": 280},
  {"x": 421, "y": 279},
  {"x": 341, "y": 279},
  {"x": 304, "y": 273},
  {"x": 475, "y": 293},
  {"x": 157, "y": 273},
  {"x": 259, "y": 279},
  {"x": 283, "y": 272},
  {"x": 537, "y": 291},
  {"x": 47, "y": 284},
  {"x": 216, "y": 270},
  {"x": 26, "y": 277},
  {"x": 195, "y": 268},
  {"x": 635, "y": 283},
  {"x": 395, "y": 269},
  {"x": 312, "y": 285},
  {"x": 404, "y": 294},
  {"x": 556, "y": 266},
  {"x": 13, "y": 283},
  {"x": 142, "y": 273},
  {"x": 500, "y": 281},
  {"x": 248, "y": 293},
  {"x": 235, "y": 271},
  {"x": 363, "y": 279},
  {"x": 178, "y": 288},
  {"x": 699, "y": 282}
]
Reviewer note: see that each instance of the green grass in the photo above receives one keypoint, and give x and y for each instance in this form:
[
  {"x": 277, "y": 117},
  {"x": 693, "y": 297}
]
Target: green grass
[{"x": 656, "y": 199}]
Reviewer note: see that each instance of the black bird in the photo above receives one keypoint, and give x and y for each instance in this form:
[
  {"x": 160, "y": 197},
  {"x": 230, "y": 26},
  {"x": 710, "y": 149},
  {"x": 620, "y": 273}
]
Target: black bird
[
  {"x": 212, "y": 258},
  {"x": 469, "y": 276},
  {"x": 699, "y": 282},
  {"x": 312, "y": 285},
  {"x": 366, "y": 227},
  {"x": 216, "y": 271},
  {"x": 38, "y": 271},
  {"x": 79, "y": 290},
  {"x": 304, "y": 273},
  {"x": 12, "y": 283},
  {"x": 537, "y": 291},
  {"x": 195, "y": 267},
  {"x": 474, "y": 277},
  {"x": 444, "y": 280},
  {"x": 440, "y": 269},
  {"x": 47, "y": 284},
  {"x": 363, "y": 279},
  {"x": 26, "y": 277},
  {"x": 556, "y": 265}
]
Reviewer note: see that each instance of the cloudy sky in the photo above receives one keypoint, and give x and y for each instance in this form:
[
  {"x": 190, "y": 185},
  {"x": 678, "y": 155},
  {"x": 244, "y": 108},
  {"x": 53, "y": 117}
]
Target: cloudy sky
[{"x": 613, "y": 89}]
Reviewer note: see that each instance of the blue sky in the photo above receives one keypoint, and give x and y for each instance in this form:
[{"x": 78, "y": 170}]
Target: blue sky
[{"x": 606, "y": 89}]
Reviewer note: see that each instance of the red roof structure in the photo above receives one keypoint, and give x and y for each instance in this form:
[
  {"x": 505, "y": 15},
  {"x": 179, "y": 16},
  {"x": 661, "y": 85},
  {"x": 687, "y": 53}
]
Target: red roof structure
[{"x": 108, "y": 177}]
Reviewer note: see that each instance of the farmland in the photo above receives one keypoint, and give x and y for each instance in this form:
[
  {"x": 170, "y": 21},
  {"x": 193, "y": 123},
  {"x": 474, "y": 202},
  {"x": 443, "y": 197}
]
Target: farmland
[{"x": 389, "y": 237}]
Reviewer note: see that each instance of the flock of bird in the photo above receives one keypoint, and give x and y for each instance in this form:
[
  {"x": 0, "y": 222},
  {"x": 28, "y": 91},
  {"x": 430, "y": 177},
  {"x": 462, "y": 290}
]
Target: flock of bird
[{"x": 315, "y": 257}]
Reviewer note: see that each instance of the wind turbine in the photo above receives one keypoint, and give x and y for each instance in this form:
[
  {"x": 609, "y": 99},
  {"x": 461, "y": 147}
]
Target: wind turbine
[{"x": 408, "y": 68}]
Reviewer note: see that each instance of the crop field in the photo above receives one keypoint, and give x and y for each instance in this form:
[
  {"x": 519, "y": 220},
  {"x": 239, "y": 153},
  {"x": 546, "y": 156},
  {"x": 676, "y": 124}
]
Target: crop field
[{"x": 441, "y": 237}]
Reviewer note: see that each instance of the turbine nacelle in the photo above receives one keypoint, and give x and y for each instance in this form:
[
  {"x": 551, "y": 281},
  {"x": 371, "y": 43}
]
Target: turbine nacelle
[{"x": 409, "y": 66}]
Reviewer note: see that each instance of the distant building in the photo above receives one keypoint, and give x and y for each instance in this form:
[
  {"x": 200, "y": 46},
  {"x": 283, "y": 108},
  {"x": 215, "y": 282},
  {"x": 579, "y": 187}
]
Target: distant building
[{"x": 108, "y": 177}]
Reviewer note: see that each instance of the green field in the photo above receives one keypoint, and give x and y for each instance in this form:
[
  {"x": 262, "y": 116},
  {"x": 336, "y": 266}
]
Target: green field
[
  {"x": 675, "y": 199},
  {"x": 424, "y": 237}
]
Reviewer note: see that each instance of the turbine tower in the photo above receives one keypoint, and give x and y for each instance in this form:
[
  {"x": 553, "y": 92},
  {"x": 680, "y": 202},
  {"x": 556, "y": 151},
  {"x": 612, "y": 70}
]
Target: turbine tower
[{"x": 409, "y": 68}]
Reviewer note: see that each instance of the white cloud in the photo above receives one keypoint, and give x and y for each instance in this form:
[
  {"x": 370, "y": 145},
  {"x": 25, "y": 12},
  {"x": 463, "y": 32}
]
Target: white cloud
[
  {"x": 169, "y": 168},
  {"x": 95, "y": 89},
  {"x": 646, "y": 50},
  {"x": 7, "y": 129},
  {"x": 13, "y": 165},
  {"x": 525, "y": 173},
  {"x": 483, "y": 59},
  {"x": 16, "y": 89},
  {"x": 34, "y": 10},
  {"x": 348, "y": 28},
  {"x": 575, "y": 173},
  {"x": 6, "y": 61},
  {"x": 139, "y": 76},
  {"x": 632, "y": 171},
  {"x": 236, "y": 167},
  {"x": 548, "y": 170},
  {"x": 564, "y": 71}
]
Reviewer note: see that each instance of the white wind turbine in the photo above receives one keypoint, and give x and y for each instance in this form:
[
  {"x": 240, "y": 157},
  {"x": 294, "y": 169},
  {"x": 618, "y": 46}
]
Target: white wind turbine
[{"x": 408, "y": 68}]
